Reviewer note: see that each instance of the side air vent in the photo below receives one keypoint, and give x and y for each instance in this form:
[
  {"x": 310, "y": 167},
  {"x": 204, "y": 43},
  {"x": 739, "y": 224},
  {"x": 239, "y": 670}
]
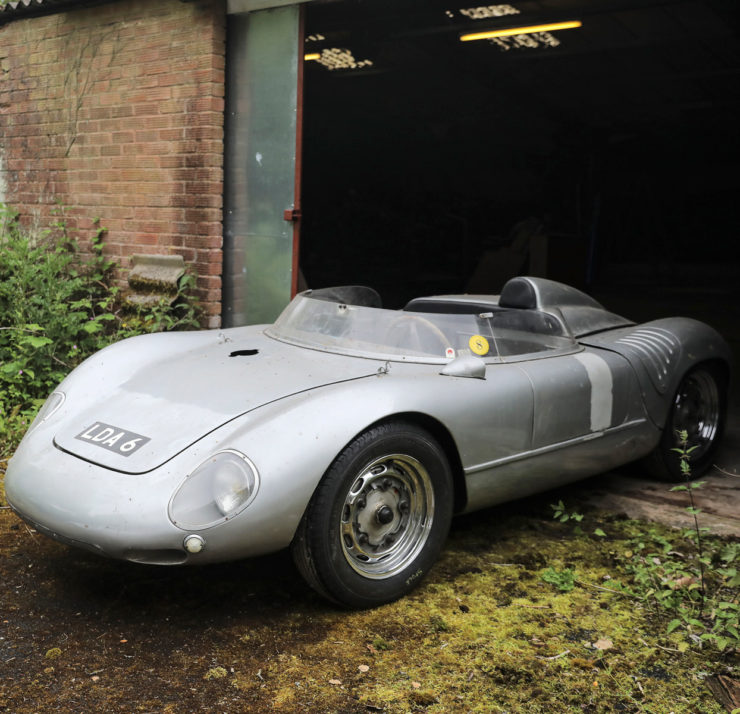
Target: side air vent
[{"x": 657, "y": 349}]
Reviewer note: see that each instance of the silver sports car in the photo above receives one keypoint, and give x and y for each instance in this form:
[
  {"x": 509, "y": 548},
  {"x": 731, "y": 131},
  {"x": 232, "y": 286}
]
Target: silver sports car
[{"x": 352, "y": 433}]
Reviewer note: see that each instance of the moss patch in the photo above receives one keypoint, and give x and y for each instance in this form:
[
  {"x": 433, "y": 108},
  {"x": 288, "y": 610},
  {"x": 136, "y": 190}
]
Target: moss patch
[{"x": 484, "y": 633}]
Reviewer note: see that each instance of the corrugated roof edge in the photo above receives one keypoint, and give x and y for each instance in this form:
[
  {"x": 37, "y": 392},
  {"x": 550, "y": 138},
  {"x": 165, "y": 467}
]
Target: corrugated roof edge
[{"x": 17, "y": 9}]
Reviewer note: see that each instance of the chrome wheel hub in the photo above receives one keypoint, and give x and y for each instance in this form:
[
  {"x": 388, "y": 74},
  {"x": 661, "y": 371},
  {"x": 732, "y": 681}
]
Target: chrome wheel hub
[{"x": 386, "y": 516}]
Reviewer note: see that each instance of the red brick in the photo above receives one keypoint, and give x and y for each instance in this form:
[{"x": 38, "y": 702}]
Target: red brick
[
  {"x": 184, "y": 91},
  {"x": 148, "y": 135},
  {"x": 146, "y": 108},
  {"x": 123, "y": 111},
  {"x": 187, "y": 254},
  {"x": 173, "y": 135}
]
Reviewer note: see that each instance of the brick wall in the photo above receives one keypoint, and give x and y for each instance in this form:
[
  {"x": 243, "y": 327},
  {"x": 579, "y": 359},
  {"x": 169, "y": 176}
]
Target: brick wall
[{"x": 116, "y": 112}]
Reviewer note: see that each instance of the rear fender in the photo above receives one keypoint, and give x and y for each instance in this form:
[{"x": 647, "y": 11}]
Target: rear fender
[{"x": 661, "y": 353}]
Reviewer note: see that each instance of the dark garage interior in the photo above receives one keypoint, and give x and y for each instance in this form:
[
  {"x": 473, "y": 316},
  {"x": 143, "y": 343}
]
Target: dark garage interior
[{"x": 604, "y": 155}]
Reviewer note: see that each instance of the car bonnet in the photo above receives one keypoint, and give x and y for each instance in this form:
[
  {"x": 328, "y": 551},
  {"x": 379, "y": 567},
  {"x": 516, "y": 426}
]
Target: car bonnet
[{"x": 167, "y": 405}]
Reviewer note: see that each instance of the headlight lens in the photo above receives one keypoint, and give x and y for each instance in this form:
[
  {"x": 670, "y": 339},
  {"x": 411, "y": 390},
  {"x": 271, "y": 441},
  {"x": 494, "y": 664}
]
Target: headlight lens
[
  {"x": 49, "y": 407},
  {"x": 219, "y": 489}
]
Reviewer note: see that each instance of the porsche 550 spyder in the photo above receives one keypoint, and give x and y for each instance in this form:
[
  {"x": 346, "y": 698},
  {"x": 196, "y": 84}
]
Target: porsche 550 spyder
[{"x": 352, "y": 434}]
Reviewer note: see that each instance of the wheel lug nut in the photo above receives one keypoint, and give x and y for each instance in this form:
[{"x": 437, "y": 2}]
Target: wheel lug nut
[
  {"x": 363, "y": 539},
  {"x": 384, "y": 515},
  {"x": 403, "y": 506},
  {"x": 387, "y": 483}
]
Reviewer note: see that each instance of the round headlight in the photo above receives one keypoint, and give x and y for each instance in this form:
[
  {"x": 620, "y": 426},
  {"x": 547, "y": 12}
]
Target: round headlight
[
  {"x": 50, "y": 406},
  {"x": 219, "y": 489}
]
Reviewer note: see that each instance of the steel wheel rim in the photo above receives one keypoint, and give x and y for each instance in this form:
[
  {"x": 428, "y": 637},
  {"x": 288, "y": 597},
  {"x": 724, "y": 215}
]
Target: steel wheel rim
[
  {"x": 386, "y": 516},
  {"x": 697, "y": 411}
]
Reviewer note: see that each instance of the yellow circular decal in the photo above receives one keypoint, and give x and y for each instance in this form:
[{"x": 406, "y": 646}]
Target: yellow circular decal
[{"x": 478, "y": 345}]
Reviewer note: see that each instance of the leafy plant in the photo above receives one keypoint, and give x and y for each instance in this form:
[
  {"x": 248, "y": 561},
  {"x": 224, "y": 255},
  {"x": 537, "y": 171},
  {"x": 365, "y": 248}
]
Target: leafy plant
[
  {"x": 698, "y": 586},
  {"x": 563, "y": 580},
  {"x": 684, "y": 453},
  {"x": 691, "y": 581},
  {"x": 166, "y": 314},
  {"x": 561, "y": 514}
]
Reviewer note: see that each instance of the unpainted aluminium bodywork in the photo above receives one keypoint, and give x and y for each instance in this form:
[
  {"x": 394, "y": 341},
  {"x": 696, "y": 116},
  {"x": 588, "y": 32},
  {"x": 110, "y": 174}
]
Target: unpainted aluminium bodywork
[{"x": 511, "y": 426}]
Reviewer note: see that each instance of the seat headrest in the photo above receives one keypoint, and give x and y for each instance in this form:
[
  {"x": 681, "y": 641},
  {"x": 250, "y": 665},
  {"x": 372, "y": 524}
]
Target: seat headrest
[{"x": 518, "y": 293}]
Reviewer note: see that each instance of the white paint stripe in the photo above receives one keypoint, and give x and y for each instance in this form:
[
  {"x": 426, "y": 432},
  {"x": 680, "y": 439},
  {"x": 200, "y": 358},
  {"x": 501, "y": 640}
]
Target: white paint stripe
[{"x": 602, "y": 385}]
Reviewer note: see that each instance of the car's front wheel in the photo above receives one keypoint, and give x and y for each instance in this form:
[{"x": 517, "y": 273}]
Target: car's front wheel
[{"x": 379, "y": 517}]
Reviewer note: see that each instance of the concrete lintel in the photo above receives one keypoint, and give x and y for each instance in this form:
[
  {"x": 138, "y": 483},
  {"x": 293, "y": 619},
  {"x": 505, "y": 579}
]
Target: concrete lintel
[
  {"x": 234, "y": 7},
  {"x": 156, "y": 273}
]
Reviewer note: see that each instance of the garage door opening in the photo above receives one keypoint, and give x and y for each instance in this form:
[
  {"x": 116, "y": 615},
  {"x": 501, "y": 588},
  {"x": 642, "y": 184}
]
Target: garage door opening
[{"x": 606, "y": 153}]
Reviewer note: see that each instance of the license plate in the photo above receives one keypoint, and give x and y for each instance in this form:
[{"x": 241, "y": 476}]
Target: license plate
[{"x": 113, "y": 438}]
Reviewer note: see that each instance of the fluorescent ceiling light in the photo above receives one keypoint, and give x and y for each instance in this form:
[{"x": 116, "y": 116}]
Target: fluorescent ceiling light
[
  {"x": 337, "y": 58},
  {"x": 487, "y": 11},
  {"x": 534, "y": 41},
  {"x": 520, "y": 30}
]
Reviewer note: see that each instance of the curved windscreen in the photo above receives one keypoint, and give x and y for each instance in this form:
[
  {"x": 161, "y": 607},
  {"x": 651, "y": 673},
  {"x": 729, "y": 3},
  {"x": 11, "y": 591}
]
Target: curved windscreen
[{"x": 500, "y": 334}]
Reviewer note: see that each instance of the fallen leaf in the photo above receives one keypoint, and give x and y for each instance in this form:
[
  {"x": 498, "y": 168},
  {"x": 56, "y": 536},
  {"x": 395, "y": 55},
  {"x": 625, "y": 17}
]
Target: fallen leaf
[
  {"x": 372, "y": 649},
  {"x": 415, "y": 685},
  {"x": 95, "y": 678},
  {"x": 603, "y": 644},
  {"x": 335, "y": 682},
  {"x": 364, "y": 668},
  {"x": 684, "y": 582}
]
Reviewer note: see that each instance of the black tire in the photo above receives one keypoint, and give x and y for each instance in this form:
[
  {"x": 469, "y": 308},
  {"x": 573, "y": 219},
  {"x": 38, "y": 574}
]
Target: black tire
[
  {"x": 699, "y": 407},
  {"x": 378, "y": 519}
]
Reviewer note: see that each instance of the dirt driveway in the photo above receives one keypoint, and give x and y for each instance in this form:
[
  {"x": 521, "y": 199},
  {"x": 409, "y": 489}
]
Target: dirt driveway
[
  {"x": 627, "y": 491},
  {"x": 484, "y": 633}
]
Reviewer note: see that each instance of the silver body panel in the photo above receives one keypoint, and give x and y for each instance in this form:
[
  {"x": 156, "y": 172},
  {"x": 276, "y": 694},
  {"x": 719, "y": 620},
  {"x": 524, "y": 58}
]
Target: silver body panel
[
  {"x": 661, "y": 352},
  {"x": 513, "y": 427}
]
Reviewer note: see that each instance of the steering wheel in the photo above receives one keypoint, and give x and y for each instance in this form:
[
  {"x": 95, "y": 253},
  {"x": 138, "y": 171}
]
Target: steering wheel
[{"x": 410, "y": 330}]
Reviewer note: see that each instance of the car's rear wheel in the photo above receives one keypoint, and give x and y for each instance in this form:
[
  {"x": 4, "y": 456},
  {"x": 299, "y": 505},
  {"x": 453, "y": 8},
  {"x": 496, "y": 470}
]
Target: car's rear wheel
[
  {"x": 699, "y": 408},
  {"x": 379, "y": 517}
]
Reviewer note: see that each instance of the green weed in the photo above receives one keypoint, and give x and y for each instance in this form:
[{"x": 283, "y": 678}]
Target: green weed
[{"x": 690, "y": 581}]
